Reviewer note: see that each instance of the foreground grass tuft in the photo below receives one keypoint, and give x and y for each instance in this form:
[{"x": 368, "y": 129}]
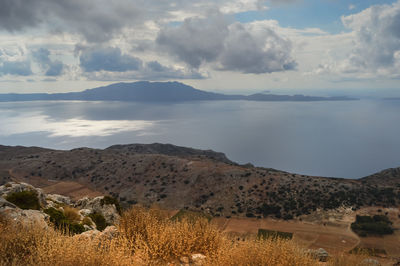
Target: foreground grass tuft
[{"x": 147, "y": 237}]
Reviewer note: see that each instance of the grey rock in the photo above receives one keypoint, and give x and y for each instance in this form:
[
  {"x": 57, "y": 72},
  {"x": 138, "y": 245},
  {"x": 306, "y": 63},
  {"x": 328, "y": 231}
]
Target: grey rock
[
  {"x": 59, "y": 198},
  {"x": 109, "y": 211},
  {"x": 12, "y": 187},
  {"x": 25, "y": 218}
]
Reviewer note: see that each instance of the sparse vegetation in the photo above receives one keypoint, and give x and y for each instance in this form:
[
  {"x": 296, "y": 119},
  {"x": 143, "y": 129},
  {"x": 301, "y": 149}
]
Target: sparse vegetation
[
  {"x": 62, "y": 222},
  {"x": 150, "y": 237},
  {"x": 27, "y": 200}
]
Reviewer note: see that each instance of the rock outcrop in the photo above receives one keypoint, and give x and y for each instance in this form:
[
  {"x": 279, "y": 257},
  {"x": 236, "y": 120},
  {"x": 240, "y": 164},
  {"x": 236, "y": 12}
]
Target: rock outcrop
[
  {"x": 99, "y": 205},
  {"x": 59, "y": 210}
]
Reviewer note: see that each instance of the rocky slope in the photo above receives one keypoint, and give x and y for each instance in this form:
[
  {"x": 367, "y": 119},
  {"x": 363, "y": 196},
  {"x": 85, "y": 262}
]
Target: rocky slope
[
  {"x": 23, "y": 204},
  {"x": 183, "y": 178}
]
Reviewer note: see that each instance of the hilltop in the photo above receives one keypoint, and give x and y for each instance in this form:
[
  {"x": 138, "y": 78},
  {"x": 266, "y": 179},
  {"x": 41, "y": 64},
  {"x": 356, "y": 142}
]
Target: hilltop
[{"x": 176, "y": 178}]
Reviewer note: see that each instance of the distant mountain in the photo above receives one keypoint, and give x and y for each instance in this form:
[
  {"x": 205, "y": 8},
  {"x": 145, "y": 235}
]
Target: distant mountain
[{"x": 144, "y": 91}]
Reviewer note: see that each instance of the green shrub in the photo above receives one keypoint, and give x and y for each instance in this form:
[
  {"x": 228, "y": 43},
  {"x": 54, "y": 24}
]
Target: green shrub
[
  {"x": 107, "y": 200},
  {"x": 99, "y": 220},
  {"x": 376, "y": 225},
  {"x": 75, "y": 228},
  {"x": 60, "y": 221},
  {"x": 57, "y": 217},
  {"x": 266, "y": 234},
  {"x": 26, "y": 200}
]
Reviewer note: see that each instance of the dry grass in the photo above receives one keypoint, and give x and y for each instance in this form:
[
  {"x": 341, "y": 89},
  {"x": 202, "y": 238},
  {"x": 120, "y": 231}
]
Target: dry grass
[
  {"x": 72, "y": 214},
  {"x": 147, "y": 237}
]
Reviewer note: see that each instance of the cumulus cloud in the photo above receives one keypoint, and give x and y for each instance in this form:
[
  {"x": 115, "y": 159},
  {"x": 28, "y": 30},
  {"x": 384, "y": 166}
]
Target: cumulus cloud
[
  {"x": 97, "y": 20},
  {"x": 237, "y": 47},
  {"x": 152, "y": 70},
  {"x": 108, "y": 59},
  {"x": 52, "y": 68},
  {"x": 375, "y": 44},
  {"x": 110, "y": 64},
  {"x": 249, "y": 51},
  {"x": 101, "y": 20},
  {"x": 377, "y": 36},
  {"x": 196, "y": 40}
]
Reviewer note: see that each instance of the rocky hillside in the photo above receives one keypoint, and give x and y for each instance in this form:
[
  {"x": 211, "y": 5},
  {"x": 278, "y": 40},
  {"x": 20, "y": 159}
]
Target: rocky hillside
[{"x": 182, "y": 178}]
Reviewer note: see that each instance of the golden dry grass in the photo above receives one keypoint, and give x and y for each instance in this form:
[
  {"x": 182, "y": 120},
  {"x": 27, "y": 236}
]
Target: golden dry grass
[
  {"x": 147, "y": 237},
  {"x": 72, "y": 214}
]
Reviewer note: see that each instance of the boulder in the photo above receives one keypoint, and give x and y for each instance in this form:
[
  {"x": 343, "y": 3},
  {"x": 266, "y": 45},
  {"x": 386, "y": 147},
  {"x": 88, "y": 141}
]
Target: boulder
[
  {"x": 12, "y": 187},
  {"x": 4, "y": 203},
  {"x": 59, "y": 199},
  {"x": 91, "y": 234},
  {"x": 25, "y": 218},
  {"x": 319, "y": 254},
  {"x": 109, "y": 211},
  {"x": 108, "y": 233}
]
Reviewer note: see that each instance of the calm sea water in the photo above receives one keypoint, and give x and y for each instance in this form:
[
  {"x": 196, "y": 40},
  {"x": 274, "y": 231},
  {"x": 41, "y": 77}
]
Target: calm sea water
[{"x": 341, "y": 139}]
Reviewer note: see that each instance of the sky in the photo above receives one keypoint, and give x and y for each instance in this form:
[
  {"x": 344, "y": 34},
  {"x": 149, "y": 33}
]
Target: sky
[{"x": 238, "y": 46}]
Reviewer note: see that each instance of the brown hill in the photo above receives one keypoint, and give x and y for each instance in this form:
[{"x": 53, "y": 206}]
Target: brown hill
[{"x": 182, "y": 178}]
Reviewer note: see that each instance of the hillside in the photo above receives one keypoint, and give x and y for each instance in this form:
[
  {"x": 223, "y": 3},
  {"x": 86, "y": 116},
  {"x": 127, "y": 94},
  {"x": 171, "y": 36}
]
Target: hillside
[
  {"x": 144, "y": 91},
  {"x": 174, "y": 177}
]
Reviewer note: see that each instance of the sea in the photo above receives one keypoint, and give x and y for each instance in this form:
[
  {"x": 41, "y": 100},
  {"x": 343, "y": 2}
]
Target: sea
[{"x": 349, "y": 139}]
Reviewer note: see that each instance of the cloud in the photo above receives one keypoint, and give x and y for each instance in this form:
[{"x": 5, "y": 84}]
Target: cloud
[
  {"x": 108, "y": 59},
  {"x": 196, "y": 40},
  {"x": 152, "y": 70},
  {"x": 101, "y": 20},
  {"x": 377, "y": 38},
  {"x": 18, "y": 68},
  {"x": 250, "y": 51},
  {"x": 52, "y": 68},
  {"x": 247, "y": 48}
]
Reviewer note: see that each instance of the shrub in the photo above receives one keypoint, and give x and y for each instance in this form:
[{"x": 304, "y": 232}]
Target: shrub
[
  {"x": 376, "y": 225},
  {"x": 27, "y": 200},
  {"x": 99, "y": 220},
  {"x": 61, "y": 222},
  {"x": 57, "y": 217},
  {"x": 71, "y": 214}
]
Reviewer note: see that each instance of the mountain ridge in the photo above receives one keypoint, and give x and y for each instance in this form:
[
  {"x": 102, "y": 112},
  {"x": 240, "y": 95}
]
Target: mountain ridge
[
  {"x": 176, "y": 178},
  {"x": 145, "y": 91}
]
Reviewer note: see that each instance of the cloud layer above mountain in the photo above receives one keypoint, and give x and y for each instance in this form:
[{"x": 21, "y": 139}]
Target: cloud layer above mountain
[{"x": 88, "y": 40}]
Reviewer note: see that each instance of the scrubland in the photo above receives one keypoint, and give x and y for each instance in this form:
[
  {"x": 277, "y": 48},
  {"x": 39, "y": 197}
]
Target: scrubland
[{"x": 149, "y": 237}]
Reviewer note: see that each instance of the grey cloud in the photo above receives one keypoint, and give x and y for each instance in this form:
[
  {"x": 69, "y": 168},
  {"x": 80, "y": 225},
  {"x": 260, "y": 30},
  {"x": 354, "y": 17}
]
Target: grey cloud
[
  {"x": 97, "y": 20},
  {"x": 196, "y": 40},
  {"x": 231, "y": 47},
  {"x": 152, "y": 70},
  {"x": 108, "y": 59},
  {"x": 248, "y": 53},
  {"x": 18, "y": 68},
  {"x": 52, "y": 68},
  {"x": 377, "y": 43}
]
